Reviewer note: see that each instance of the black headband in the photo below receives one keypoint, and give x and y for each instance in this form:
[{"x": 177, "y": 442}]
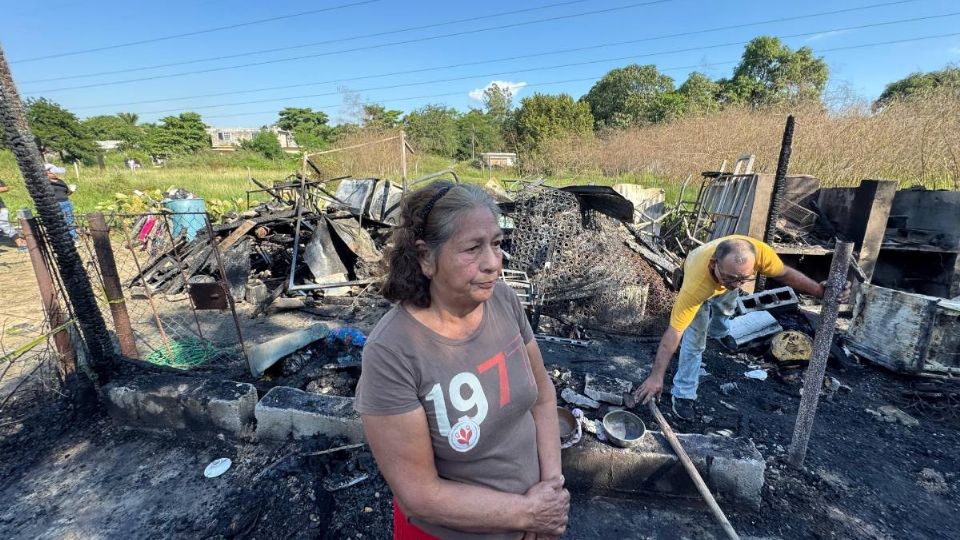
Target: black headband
[{"x": 425, "y": 213}]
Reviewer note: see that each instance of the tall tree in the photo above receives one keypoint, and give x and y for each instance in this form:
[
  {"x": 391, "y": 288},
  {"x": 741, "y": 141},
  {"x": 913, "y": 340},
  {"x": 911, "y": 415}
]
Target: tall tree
[
  {"x": 376, "y": 116},
  {"x": 771, "y": 72},
  {"x": 433, "y": 129},
  {"x": 309, "y": 127},
  {"x": 630, "y": 95},
  {"x": 498, "y": 102},
  {"x": 917, "y": 84},
  {"x": 114, "y": 128},
  {"x": 58, "y": 130},
  {"x": 478, "y": 133},
  {"x": 542, "y": 117},
  {"x": 176, "y": 135},
  {"x": 700, "y": 93},
  {"x": 265, "y": 143},
  {"x": 129, "y": 117}
]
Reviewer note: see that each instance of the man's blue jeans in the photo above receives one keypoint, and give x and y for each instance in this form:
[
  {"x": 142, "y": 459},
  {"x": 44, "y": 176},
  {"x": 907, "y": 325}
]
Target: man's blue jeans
[
  {"x": 712, "y": 320},
  {"x": 67, "y": 208}
]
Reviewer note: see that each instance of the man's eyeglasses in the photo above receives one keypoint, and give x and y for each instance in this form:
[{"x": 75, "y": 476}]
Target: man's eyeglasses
[{"x": 725, "y": 278}]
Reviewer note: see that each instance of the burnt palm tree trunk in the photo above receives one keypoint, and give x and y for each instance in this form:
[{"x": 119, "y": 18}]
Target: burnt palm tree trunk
[{"x": 21, "y": 141}]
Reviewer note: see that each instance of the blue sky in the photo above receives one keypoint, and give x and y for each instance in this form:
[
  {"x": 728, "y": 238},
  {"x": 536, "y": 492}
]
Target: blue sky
[{"x": 582, "y": 41}]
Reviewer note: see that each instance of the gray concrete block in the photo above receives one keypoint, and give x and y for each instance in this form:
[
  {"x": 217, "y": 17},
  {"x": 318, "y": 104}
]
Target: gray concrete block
[
  {"x": 753, "y": 326},
  {"x": 288, "y": 412},
  {"x": 732, "y": 467},
  {"x": 773, "y": 299},
  {"x": 606, "y": 389},
  {"x": 193, "y": 404}
]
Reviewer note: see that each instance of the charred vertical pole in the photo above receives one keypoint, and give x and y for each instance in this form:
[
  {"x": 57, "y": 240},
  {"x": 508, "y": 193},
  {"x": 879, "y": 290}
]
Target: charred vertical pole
[
  {"x": 813, "y": 380},
  {"x": 48, "y": 293},
  {"x": 403, "y": 159},
  {"x": 779, "y": 185},
  {"x": 111, "y": 285},
  {"x": 21, "y": 142}
]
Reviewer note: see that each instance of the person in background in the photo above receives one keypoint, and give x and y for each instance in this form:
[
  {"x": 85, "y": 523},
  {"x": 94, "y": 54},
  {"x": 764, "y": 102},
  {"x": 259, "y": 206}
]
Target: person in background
[
  {"x": 713, "y": 276},
  {"x": 62, "y": 193},
  {"x": 456, "y": 404},
  {"x": 6, "y": 226}
]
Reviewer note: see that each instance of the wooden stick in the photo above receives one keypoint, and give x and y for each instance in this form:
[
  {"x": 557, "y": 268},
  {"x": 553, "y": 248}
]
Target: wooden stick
[
  {"x": 692, "y": 471},
  {"x": 235, "y": 236}
]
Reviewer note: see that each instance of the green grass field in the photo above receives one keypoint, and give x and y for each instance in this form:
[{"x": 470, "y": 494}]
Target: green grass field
[{"x": 226, "y": 177}]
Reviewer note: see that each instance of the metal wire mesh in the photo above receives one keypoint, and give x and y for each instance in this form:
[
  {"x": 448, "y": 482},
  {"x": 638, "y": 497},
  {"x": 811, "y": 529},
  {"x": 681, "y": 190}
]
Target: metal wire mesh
[
  {"x": 157, "y": 262},
  {"x": 580, "y": 265},
  {"x": 30, "y": 374}
]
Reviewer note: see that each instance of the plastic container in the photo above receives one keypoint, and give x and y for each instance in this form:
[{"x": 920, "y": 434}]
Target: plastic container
[
  {"x": 349, "y": 336},
  {"x": 189, "y": 216}
]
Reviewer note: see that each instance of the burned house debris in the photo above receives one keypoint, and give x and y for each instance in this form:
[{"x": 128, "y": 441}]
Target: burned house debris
[{"x": 596, "y": 268}]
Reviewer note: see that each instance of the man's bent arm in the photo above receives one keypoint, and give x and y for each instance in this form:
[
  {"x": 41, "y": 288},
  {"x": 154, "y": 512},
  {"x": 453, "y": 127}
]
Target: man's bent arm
[
  {"x": 668, "y": 345},
  {"x": 796, "y": 279}
]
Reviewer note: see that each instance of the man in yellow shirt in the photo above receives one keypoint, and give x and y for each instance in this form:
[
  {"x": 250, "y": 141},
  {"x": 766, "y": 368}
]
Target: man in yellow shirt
[{"x": 713, "y": 275}]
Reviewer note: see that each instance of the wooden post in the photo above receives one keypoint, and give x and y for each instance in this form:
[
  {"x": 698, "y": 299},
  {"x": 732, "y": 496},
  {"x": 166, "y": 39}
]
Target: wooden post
[
  {"x": 813, "y": 380},
  {"x": 111, "y": 285},
  {"x": 48, "y": 292},
  {"x": 76, "y": 169},
  {"x": 403, "y": 159}
]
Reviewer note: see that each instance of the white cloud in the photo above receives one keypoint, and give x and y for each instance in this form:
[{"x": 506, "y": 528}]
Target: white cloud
[
  {"x": 824, "y": 35},
  {"x": 514, "y": 87}
]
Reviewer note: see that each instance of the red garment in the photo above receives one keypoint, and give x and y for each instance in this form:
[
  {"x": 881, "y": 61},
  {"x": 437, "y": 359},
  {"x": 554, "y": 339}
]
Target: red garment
[{"x": 404, "y": 530}]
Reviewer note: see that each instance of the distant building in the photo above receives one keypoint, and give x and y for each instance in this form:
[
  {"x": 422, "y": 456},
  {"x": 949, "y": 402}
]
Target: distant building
[
  {"x": 498, "y": 159},
  {"x": 228, "y": 139},
  {"x": 109, "y": 145}
]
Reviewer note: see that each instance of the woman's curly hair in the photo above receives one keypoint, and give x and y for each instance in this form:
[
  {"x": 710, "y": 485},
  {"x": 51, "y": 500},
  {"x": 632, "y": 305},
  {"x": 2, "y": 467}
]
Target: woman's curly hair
[{"x": 431, "y": 214}]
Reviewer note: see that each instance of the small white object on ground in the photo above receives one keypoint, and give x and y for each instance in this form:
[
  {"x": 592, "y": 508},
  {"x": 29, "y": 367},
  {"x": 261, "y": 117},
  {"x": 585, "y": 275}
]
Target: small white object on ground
[
  {"x": 217, "y": 467},
  {"x": 757, "y": 374}
]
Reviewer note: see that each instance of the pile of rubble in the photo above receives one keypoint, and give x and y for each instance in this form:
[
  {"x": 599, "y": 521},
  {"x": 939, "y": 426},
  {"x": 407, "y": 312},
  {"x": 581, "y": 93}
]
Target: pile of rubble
[
  {"x": 304, "y": 240},
  {"x": 568, "y": 252}
]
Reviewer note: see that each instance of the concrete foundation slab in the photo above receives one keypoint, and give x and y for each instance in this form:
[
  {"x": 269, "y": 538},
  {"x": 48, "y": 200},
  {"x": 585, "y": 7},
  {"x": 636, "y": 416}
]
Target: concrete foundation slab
[
  {"x": 732, "y": 467},
  {"x": 181, "y": 403},
  {"x": 288, "y": 412}
]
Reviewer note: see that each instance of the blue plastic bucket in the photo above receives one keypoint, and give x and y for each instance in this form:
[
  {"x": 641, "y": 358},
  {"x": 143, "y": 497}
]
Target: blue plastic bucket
[{"x": 188, "y": 215}]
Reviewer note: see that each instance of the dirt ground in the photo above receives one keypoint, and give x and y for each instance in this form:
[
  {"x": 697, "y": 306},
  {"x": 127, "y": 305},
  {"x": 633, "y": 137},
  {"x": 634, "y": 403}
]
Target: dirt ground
[
  {"x": 864, "y": 478},
  {"x": 21, "y": 317},
  {"x": 66, "y": 477}
]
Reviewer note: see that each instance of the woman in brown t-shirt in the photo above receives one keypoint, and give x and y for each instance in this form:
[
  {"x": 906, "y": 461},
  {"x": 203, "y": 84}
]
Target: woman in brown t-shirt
[{"x": 456, "y": 405}]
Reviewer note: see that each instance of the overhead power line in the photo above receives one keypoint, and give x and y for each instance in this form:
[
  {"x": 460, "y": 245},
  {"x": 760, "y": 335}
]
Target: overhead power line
[
  {"x": 505, "y": 59},
  {"x": 516, "y": 71},
  {"x": 312, "y": 44},
  {"x": 556, "y": 66},
  {"x": 193, "y": 33},
  {"x": 450, "y": 94},
  {"x": 363, "y": 48},
  {"x": 596, "y": 77}
]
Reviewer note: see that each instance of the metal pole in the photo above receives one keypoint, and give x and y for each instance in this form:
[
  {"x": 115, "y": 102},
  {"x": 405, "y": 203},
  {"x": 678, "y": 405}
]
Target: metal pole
[
  {"x": 226, "y": 285},
  {"x": 813, "y": 380},
  {"x": 183, "y": 274},
  {"x": 21, "y": 142},
  {"x": 111, "y": 285},
  {"x": 48, "y": 292},
  {"x": 149, "y": 293},
  {"x": 403, "y": 159}
]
